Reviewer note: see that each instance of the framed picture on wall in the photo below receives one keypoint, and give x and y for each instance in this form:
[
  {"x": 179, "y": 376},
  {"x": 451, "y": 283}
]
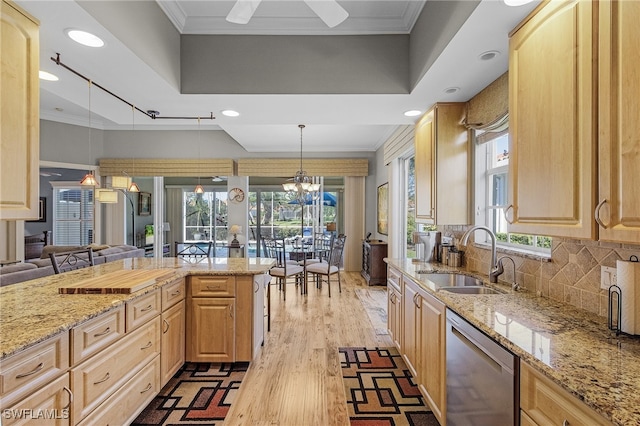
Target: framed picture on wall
[
  {"x": 383, "y": 209},
  {"x": 144, "y": 204}
]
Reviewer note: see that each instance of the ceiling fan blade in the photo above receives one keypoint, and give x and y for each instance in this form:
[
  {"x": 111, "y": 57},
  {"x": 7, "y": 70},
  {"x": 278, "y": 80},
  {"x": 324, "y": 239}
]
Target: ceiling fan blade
[
  {"x": 242, "y": 11},
  {"x": 329, "y": 11}
]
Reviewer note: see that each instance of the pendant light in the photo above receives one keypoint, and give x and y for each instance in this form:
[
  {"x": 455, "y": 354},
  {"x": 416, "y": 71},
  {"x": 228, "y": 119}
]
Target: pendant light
[
  {"x": 302, "y": 186},
  {"x": 133, "y": 187},
  {"x": 199, "y": 189},
  {"x": 89, "y": 179}
]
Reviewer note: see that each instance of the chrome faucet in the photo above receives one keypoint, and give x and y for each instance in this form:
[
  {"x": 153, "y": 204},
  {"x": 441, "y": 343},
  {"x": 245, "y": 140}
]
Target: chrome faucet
[
  {"x": 515, "y": 286},
  {"x": 493, "y": 268}
]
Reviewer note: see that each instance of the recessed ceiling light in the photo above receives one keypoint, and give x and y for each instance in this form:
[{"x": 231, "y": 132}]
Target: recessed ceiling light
[
  {"x": 230, "y": 113},
  {"x": 58, "y": 109},
  {"x": 450, "y": 90},
  {"x": 47, "y": 76},
  {"x": 85, "y": 38},
  {"x": 516, "y": 2},
  {"x": 488, "y": 55},
  {"x": 412, "y": 113}
]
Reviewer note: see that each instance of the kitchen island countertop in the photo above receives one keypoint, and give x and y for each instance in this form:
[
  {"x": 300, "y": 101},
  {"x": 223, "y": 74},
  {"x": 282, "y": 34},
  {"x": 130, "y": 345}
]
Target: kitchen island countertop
[
  {"x": 573, "y": 347},
  {"x": 33, "y": 311}
]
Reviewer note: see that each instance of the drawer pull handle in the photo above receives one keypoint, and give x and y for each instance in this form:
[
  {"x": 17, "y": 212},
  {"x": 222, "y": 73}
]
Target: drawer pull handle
[
  {"x": 175, "y": 293},
  {"x": 147, "y": 389},
  {"x": 213, "y": 287},
  {"x": 106, "y": 331},
  {"x": 565, "y": 422},
  {"x": 148, "y": 308},
  {"x": 392, "y": 299},
  {"x": 597, "y": 216},
  {"x": 147, "y": 347},
  {"x": 506, "y": 214},
  {"x": 66, "y": 407},
  {"x": 231, "y": 311},
  {"x": 34, "y": 371},
  {"x": 106, "y": 377},
  {"x": 166, "y": 329}
]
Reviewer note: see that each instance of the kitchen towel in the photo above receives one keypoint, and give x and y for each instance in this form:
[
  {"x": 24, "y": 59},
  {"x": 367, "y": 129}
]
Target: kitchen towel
[{"x": 629, "y": 283}]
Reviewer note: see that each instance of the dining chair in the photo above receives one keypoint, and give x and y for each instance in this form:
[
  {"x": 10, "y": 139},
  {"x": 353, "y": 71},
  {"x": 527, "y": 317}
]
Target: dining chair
[
  {"x": 193, "y": 251},
  {"x": 321, "y": 249},
  {"x": 329, "y": 267},
  {"x": 70, "y": 260},
  {"x": 282, "y": 270}
]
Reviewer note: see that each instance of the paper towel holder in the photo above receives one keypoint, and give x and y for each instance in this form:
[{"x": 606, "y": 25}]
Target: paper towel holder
[{"x": 615, "y": 300}]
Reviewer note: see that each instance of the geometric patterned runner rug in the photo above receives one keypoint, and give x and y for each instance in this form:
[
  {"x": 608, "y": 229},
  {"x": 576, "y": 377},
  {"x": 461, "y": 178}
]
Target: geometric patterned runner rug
[
  {"x": 199, "y": 394},
  {"x": 380, "y": 389}
]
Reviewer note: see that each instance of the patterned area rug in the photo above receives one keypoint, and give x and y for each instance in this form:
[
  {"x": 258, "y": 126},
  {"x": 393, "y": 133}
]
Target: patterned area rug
[
  {"x": 380, "y": 389},
  {"x": 374, "y": 301},
  {"x": 199, "y": 394}
]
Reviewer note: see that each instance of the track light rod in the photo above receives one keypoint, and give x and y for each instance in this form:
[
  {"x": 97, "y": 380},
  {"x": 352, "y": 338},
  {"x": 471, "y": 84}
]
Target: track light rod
[{"x": 152, "y": 114}]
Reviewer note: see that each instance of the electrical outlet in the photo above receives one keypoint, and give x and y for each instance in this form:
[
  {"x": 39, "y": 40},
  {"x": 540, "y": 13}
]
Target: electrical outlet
[{"x": 608, "y": 277}]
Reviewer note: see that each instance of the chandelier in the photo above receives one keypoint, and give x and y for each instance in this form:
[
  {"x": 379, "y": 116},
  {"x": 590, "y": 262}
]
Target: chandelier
[{"x": 302, "y": 186}]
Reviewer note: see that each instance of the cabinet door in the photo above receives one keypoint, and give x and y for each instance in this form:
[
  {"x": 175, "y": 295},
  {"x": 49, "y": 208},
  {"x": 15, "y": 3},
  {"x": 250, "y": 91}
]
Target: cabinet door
[
  {"x": 619, "y": 159},
  {"x": 53, "y": 399},
  {"x": 552, "y": 119},
  {"x": 409, "y": 323},
  {"x": 431, "y": 354},
  {"x": 258, "y": 313},
  {"x": 211, "y": 325},
  {"x": 19, "y": 115},
  {"x": 425, "y": 164},
  {"x": 173, "y": 341}
]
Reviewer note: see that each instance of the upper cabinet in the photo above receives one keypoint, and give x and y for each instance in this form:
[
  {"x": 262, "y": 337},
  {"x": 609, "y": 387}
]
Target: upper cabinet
[
  {"x": 552, "y": 117},
  {"x": 19, "y": 115},
  {"x": 618, "y": 209},
  {"x": 442, "y": 166}
]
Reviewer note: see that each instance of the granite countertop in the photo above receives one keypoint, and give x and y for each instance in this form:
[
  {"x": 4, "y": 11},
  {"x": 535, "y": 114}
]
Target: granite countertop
[
  {"x": 33, "y": 311},
  {"x": 572, "y": 347}
]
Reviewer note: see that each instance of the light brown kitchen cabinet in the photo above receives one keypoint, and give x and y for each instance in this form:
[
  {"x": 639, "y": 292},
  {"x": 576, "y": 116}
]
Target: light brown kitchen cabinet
[
  {"x": 618, "y": 209},
  {"x": 172, "y": 353},
  {"x": 442, "y": 166},
  {"x": 53, "y": 400},
  {"x": 552, "y": 118},
  {"x": 394, "y": 305},
  {"x": 410, "y": 323},
  {"x": 545, "y": 403},
  {"x": 19, "y": 114},
  {"x": 211, "y": 325},
  {"x": 431, "y": 353}
]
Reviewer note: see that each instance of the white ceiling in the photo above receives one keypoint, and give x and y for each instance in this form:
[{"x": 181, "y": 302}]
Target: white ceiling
[{"x": 268, "y": 123}]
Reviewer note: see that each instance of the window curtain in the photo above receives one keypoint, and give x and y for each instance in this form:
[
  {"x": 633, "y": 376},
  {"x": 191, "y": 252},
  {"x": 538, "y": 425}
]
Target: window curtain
[
  {"x": 354, "y": 205},
  {"x": 174, "y": 216}
]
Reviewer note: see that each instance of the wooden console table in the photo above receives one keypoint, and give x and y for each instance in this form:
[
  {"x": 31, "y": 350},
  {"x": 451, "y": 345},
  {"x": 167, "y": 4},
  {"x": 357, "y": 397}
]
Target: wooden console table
[{"x": 374, "y": 270}]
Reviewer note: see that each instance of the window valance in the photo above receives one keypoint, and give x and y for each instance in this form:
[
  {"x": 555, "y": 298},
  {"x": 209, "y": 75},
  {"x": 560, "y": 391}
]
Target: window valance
[{"x": 168, "y": 167}]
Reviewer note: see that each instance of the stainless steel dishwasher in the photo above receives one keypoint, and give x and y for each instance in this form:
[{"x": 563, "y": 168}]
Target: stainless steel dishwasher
[{"x": 482, "y": 378}]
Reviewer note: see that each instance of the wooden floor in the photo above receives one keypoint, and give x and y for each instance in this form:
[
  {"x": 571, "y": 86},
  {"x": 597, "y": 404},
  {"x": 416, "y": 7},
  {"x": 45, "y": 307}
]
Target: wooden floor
[{"x": 296, "y": 379}]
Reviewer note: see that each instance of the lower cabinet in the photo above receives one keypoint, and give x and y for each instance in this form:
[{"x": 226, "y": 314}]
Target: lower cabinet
[
  {"x": 423, "y": 344},
  {"x": 543, "y": 402},
  {"x": 210, "y": 322},
  {"x": 172, "y": 353},
  {"x": 394, "y": 306},
  {"x": 53, "y": 400}
]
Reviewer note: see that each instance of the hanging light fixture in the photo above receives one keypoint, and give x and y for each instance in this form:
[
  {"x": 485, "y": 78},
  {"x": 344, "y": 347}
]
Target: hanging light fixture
[
  {"x": 301, "y": 185},
  {"x": 89, "y": 179},
  {"x": 133, "y": 187},
  {"x": 199, "y": 189}
]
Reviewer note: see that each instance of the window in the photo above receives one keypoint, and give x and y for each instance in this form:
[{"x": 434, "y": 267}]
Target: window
[
  {"x": 492, "y": 177},
  {"x": 205, "y": 218},
  {"x": 73, "y": 223}
]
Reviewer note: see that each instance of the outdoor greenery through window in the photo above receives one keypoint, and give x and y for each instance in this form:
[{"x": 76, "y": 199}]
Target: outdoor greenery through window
[
  {"x": 492, "y": 169},
  {"x": 205, "y": 219}
]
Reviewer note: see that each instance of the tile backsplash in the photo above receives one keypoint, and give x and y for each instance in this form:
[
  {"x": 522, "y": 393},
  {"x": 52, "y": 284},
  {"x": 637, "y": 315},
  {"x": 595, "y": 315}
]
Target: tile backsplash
[{"x": 572, "y": 274}]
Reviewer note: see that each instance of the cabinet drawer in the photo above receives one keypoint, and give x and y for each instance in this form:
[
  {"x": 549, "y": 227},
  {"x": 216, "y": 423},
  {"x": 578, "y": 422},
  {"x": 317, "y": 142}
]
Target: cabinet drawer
[
  {"x": 91, "y": 336},
  {"x": 97, "y": 378},
  {"x": 213, "y": 286},
  {"x": 546, "y": 403},
  {"x": 26, "y": 371},
  {"x": 393, "y": 276},
  {"x": 172, "y": 293},
  {"x": 128, "y": 401},
  {"x": 54, "y": 399},
  {"x": 142, "y": 309}
]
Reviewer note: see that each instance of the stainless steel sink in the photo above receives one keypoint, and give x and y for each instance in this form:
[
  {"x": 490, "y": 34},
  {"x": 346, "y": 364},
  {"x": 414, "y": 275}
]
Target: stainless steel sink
[
  {"x": 470, "y": 290},
  {"x": 454, "y": 280}
]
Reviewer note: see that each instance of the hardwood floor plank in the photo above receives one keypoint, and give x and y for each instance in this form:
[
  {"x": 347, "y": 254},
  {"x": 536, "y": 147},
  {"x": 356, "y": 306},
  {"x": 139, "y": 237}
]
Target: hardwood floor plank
[{"x": 296, "y": 378}]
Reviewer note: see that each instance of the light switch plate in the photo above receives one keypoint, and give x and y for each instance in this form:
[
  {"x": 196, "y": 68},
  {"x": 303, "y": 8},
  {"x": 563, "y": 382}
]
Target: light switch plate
[{"x": 608, "y": 277}]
